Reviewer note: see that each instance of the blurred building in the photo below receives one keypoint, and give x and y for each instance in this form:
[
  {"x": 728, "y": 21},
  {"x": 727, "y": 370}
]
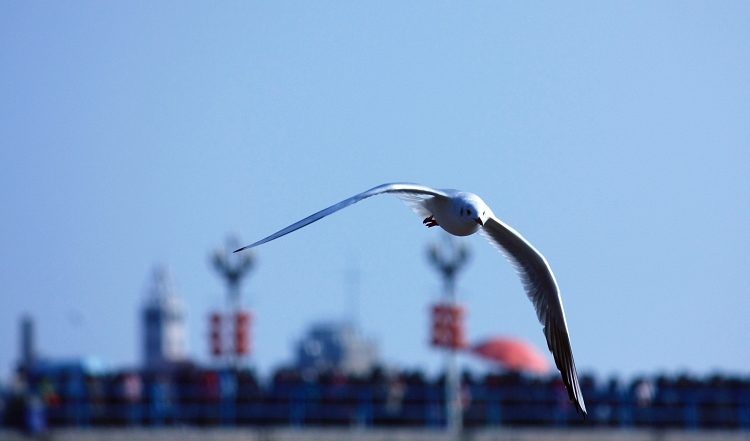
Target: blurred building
[
  {"x": 28, "y": 343},
  {"x": 164, "y": 331},
  {"x": 336, "y": 347},
  {"x": 32, "y": 363}
]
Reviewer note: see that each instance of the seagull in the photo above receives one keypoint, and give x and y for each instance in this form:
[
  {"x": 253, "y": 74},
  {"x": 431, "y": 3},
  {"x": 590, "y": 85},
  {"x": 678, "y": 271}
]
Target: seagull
[{"x": 462, "y": 214}]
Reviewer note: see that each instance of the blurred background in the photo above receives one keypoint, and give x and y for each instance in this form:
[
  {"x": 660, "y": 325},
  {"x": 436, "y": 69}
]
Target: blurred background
[{"x": 613, "y": 136}]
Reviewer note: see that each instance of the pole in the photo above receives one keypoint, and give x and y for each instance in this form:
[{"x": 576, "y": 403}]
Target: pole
[
  {"x": 452, "y": 381},
  {"x": 449, "y": 258},
  {"x": 233, "y": 267}
]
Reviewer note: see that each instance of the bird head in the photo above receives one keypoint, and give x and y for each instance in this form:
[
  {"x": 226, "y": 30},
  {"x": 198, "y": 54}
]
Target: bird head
[{"x": 473, "y": 209}]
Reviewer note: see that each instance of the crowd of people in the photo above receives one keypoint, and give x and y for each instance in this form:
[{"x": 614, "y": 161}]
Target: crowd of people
[{"x": 190, "y": 395}]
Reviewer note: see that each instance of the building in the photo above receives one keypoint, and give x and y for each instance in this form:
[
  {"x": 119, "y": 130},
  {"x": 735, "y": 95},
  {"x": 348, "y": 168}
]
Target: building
[
  {"x": 164, "y": 331},
  {"x": 28, "y": 343},
  {"x": 336, "y": 347}
]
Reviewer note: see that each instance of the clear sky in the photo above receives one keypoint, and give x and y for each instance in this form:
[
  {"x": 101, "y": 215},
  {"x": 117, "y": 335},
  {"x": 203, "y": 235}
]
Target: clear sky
[{"x": 614, "y": 136}]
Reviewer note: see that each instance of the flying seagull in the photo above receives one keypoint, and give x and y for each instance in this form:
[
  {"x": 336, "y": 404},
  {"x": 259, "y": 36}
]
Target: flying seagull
[{"x": 461, "y": 214}]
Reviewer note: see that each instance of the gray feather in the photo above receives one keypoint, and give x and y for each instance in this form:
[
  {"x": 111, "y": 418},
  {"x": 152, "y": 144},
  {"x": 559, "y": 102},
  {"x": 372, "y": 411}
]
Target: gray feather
[
  {"x": 541, "y": 288},
  {"x": 409, "y": 193}
]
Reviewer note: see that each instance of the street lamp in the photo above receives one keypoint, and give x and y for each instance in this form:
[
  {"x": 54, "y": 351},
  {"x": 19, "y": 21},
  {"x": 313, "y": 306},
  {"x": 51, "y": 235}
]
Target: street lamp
[{"x": 449, "y": 257}]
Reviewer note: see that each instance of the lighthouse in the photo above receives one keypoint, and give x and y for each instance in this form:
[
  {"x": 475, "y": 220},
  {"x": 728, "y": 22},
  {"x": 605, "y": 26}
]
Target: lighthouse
[{"x": 164, "y": 336}]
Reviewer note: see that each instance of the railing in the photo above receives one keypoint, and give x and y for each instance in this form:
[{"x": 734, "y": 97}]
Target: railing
[{"x": 227, "y": 399}]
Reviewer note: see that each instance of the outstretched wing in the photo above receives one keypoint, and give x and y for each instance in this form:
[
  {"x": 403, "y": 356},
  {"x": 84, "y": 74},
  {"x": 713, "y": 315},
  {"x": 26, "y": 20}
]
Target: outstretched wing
[
  {"x": 542, "y": 290},
  {"x": 411, "y": 194}
]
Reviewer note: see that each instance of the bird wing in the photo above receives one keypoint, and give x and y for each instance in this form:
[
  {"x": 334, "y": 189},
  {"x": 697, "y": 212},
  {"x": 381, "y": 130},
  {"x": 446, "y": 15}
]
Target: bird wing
[
  {"x": 541, "y": 288},
  {"x": 412, "y": 195}
]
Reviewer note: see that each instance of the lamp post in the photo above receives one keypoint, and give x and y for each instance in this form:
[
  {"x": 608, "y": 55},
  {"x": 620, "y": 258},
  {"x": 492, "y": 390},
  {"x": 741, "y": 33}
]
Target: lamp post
[
  {"x": 449, "y": 258},
  {"x": 233, "y": 268}
]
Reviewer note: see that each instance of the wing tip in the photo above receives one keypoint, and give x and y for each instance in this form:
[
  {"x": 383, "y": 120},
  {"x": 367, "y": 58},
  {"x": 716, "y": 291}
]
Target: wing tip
[{"x": 581, "y": 408}]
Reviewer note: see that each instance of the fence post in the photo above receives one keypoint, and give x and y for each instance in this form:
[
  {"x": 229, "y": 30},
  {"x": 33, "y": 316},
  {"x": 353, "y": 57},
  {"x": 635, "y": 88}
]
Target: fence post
[
  {"x": 228, "y": 398},
  {"x": 495, "y": 409},
  {"x": 691, "y": 410},
  {"x": 297, "y": 411},
  {"x": 364, "y": 406},
  {"x": 743, "y": 417}
]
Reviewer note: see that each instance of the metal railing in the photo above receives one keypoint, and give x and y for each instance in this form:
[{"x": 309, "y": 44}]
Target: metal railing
[{"x": 229, "y": 398}]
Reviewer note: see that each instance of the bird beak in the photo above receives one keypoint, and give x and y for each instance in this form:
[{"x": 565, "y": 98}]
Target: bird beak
[{"x": 479, "y": 221}]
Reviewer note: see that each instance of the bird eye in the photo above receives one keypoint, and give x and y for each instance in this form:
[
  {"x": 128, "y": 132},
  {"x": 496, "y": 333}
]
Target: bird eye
[{"x": 469, "y": 212}]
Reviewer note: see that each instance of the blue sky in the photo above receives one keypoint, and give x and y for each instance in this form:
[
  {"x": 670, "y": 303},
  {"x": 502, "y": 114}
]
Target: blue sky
[{"x": 613, "y": 136}]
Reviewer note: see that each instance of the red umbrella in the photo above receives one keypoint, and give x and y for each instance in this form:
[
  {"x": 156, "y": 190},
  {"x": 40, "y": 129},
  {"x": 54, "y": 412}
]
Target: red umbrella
[{"x": 512, "y": 354}]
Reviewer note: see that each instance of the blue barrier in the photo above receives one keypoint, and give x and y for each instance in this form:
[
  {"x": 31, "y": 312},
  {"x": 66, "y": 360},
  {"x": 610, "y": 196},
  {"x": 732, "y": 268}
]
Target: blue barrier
[{"x": 228, "y": 398}]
